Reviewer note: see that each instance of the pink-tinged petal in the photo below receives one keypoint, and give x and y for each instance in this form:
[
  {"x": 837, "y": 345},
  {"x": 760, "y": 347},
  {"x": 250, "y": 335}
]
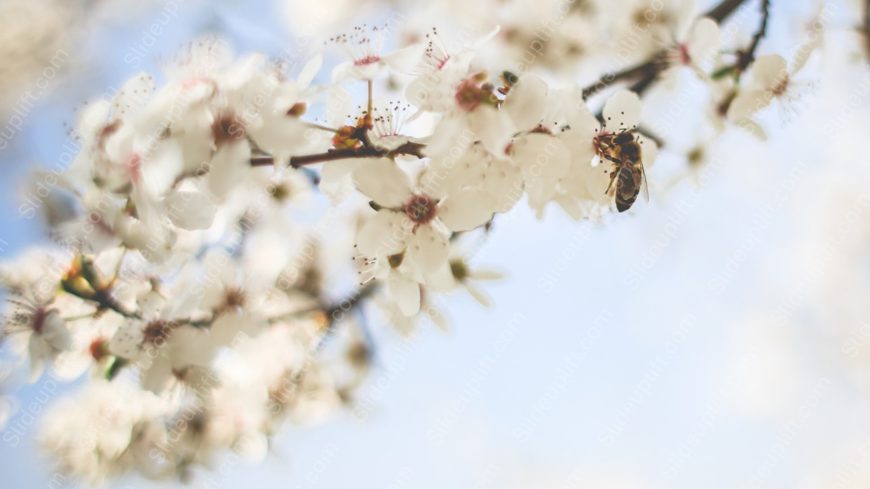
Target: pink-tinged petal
[
  {"x": 405, "y": 292},
  {"x": 527, "y": 102},
  {"x": 769, "y": 71},
  {"x": 383, "y": 181},
  {"x": 385, "y": 233},
  {"x": 748, "y": 102},
  {"x": 622, "y": 111},
  {"x": 704, "y": 40},
  {"x": 427, "y": 248},
  {"x": 465, "y": 210}
]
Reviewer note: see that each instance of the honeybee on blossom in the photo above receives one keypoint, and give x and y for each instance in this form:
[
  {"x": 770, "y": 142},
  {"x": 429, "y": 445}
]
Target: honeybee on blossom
[{"x": 627, "y": 178}]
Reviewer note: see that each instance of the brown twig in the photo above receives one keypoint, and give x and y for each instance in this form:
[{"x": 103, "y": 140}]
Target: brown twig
[
  {"x": 409, "y": 148},
  {"x": 746, "y": 56},
  {"x": 866, "y": 28},
  {"x": 647, "y": 72}
]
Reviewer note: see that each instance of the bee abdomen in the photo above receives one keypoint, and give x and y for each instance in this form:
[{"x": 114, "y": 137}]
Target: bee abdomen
[{"x": 626, "y": 189}]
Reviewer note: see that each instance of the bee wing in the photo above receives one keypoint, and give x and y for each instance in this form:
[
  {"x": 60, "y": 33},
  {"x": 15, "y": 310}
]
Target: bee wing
[
  {"x": 611, "y": 189},
  {"x": 643, "y": 186}
]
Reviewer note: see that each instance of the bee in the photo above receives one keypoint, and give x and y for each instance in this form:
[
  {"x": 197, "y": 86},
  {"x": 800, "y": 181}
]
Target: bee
[{"x": 627, "y": 178}]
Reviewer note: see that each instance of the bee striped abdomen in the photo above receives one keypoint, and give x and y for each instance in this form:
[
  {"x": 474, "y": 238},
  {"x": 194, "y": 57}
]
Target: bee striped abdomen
[{"x": 627, "y": 188}]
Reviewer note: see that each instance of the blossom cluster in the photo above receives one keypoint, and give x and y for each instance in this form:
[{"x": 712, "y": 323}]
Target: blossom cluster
[{"x": 189, "y": 282}]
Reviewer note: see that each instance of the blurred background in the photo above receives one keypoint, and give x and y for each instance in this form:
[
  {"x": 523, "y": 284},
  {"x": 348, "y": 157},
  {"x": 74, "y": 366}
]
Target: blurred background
[{"x": 717, "y": 337}]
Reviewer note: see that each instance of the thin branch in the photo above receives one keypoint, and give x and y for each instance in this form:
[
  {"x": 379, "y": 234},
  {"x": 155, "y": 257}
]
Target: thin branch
[
  {"x": 866, "y": 28},
  {"x": 335, "y": 313},
  {"x": 409, "y": 148},
  {"x": 746, "y": 56},
  {"x": 104, "y": 301},
  {"x": 648, "y": 71},
  {"x": 724, "y": 10}
]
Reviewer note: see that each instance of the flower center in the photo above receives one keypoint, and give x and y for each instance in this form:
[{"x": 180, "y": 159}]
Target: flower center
[
  {"x": 37, "y": 320},
  {"x": 98, "y": 349},
  {"x": 781, "y": 87},
  {"x": 684, "y": 54},
  {"x": 368, "y": 60},
  {"x": 156, "y": 332},
  {"x": 421, "y": 209},
  {"x": 471, "y": 92},
  {"x": 227, "y": 128}
]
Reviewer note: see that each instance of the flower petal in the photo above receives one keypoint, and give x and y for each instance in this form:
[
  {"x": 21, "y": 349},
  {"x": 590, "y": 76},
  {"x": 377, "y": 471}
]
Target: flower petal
[
  {"x": 527, "y": 102},
  {"x": 190, "y": 209},
  {"x": 405, "y": 292},
  {"x": 405, "y": 59},
  {"x": 622, "y": 111},
  {"x": 384, "y": 234},
  {"x": 769, "y": 71},
  {"x": 465, "y": 210},
  {"x": 494, "y": 128},
  {"x": 427, "y": 248},
  {"x": 704, "y": 40},
  {"x": 383, "y": 181},
  {"x": 748, "y": 102}
]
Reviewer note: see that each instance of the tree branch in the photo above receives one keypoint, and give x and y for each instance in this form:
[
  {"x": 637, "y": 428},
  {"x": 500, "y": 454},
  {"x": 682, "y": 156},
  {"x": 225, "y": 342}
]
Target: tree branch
[
  {"x": 866, "y": 28},
  {"x": 409, "y": 148},
  {"x": 746, "y": 56},
  {"x": 648, "y": 71}
]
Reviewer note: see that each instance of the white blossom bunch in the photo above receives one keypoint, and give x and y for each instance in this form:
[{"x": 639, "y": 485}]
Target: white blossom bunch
[{"x": 193, "y": 288}]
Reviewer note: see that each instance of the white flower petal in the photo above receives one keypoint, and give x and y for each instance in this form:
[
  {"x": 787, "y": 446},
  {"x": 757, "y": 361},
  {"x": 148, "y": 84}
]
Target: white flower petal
[
  {"x": 229, "y": 167},
  {"x": 427, "y": 248},
  {"x": 527, "y": 102},
  {"x": 622, "y": 111},
  {"x": 309, "y": 71},
  {"x": 769, "y": 71},
  {"x": 385, "y": 233},
  {"x": 190, "y": 209},
  {"x": 494, "y": 128},
  {"x": 478, "y": 295},
  {"x": 748, "y": 102},
  {"x": 465, "y": 210},
  {"x": 704, "y": 40},
  {"x": 383, "y": 181},
  {"x": 649, "y": 151},
  {"x": 405, "y": 292},
  {"x": 405, "y": 59}
]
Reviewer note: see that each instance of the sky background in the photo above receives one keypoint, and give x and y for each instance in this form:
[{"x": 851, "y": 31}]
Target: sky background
[{"x": 689, "y": 343}]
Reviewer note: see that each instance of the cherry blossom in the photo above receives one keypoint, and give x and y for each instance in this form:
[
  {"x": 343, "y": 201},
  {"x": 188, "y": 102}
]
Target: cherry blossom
[{"x": 200, "y": 276}]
